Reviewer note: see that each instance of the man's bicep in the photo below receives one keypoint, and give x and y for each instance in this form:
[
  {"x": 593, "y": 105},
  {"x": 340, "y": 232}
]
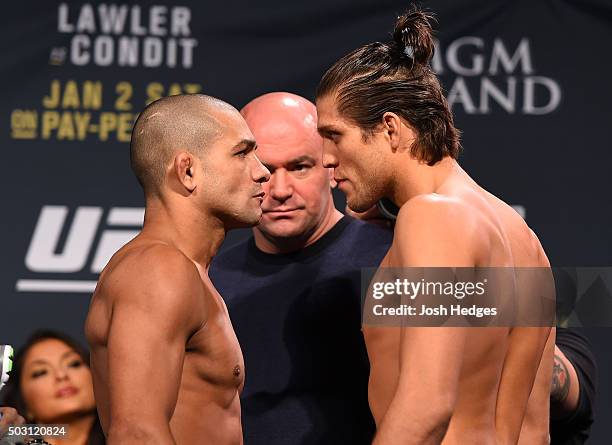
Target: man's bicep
[
  {"x": 145, "y": 360},
  {"x": 431, "y": 361}
]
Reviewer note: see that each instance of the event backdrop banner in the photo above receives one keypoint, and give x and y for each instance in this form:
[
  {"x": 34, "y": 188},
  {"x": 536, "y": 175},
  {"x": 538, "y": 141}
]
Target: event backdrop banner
[{"x": 528, "y": 81}]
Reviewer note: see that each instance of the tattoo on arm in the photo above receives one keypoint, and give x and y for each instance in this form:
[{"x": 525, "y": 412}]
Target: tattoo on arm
[{"x": 560, "y": 381}]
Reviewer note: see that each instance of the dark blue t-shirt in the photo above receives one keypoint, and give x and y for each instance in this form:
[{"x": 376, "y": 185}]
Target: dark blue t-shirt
[{"x": 298, "y": 320}]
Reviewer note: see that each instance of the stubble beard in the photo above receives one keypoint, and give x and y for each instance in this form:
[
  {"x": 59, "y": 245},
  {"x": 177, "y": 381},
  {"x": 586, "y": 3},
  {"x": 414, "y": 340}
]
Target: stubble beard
[{"x": 362, "y": 200}]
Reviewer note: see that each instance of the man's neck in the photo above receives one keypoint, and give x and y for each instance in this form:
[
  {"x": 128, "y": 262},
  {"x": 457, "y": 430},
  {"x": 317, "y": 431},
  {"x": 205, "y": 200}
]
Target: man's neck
[
  {"x": 273, "y": 245},
  {"x": 418, "y": 178},
  {"x": 198, "y": 235}
]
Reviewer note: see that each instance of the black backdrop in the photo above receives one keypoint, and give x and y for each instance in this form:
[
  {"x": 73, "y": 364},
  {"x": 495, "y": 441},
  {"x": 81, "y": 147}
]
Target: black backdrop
[{"x": 529, "y": 82}]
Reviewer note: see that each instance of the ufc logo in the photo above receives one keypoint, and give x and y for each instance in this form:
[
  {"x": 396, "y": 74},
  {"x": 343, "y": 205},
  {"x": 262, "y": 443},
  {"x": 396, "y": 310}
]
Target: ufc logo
[{"x": 43, "y": 255}]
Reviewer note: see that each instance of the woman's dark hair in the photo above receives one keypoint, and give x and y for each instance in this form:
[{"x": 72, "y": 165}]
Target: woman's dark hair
[
  {"x": 396, "y": 77},
  {"x": 11, "y": 394}
]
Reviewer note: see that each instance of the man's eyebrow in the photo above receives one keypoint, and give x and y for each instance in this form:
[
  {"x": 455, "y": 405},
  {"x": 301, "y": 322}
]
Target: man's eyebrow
[
  {"x": 327, "y": 129},
  {"x": 303, "y": 158},
  {"x": 245, "y": 144}
]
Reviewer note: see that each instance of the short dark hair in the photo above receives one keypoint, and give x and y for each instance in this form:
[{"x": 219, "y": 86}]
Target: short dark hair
[
  {"x": 185, "y": 121},
  {"x": 11, "y": 394},
  {"x": 396, "y": 77}
]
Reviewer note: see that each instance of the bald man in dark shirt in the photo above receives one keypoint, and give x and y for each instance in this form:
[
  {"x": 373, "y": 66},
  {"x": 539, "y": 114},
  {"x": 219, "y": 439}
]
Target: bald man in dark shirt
[{"x": 293, "y": 291}]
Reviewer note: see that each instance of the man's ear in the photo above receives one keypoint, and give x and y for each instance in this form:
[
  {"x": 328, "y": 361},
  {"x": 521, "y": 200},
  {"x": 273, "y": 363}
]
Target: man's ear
[
  {"x": 392, "y": 125},
  {"x": 184, "y": 170}
]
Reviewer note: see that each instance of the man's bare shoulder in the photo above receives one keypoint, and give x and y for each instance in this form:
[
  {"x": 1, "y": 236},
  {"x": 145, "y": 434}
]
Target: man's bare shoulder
[
  {"x": 148, "y": 273},
  {"x": 437, "y": 228},
  {"x": 433, "y": 206},
  {"x": 535, "y": 255},
  {"x": 527, "y": 251}
]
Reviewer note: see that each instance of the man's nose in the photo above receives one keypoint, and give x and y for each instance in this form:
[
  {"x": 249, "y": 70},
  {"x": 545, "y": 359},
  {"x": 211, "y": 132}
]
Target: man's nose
[
  {"x": 280, "y": 185},
  {"x": 329, "y": 158},
  {"x": 260, "y": 173}
]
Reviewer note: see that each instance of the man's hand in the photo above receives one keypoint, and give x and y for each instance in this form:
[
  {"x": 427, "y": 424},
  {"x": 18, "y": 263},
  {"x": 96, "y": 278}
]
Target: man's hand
[{"x": 9, "y": 417}]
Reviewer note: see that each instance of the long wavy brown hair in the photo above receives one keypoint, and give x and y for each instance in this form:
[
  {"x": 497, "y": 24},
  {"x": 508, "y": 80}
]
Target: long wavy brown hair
[{"x": 396, "y": 76}]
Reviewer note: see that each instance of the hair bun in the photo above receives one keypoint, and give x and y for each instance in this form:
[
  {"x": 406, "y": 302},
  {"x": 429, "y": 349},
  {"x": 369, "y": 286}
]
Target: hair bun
[{"x": 413, "y": 35}]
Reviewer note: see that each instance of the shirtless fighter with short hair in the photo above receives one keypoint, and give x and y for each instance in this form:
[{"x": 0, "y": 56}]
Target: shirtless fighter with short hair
[
  {"x": 389, "y": 133},
  {"x": 166, "y": 364}
]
